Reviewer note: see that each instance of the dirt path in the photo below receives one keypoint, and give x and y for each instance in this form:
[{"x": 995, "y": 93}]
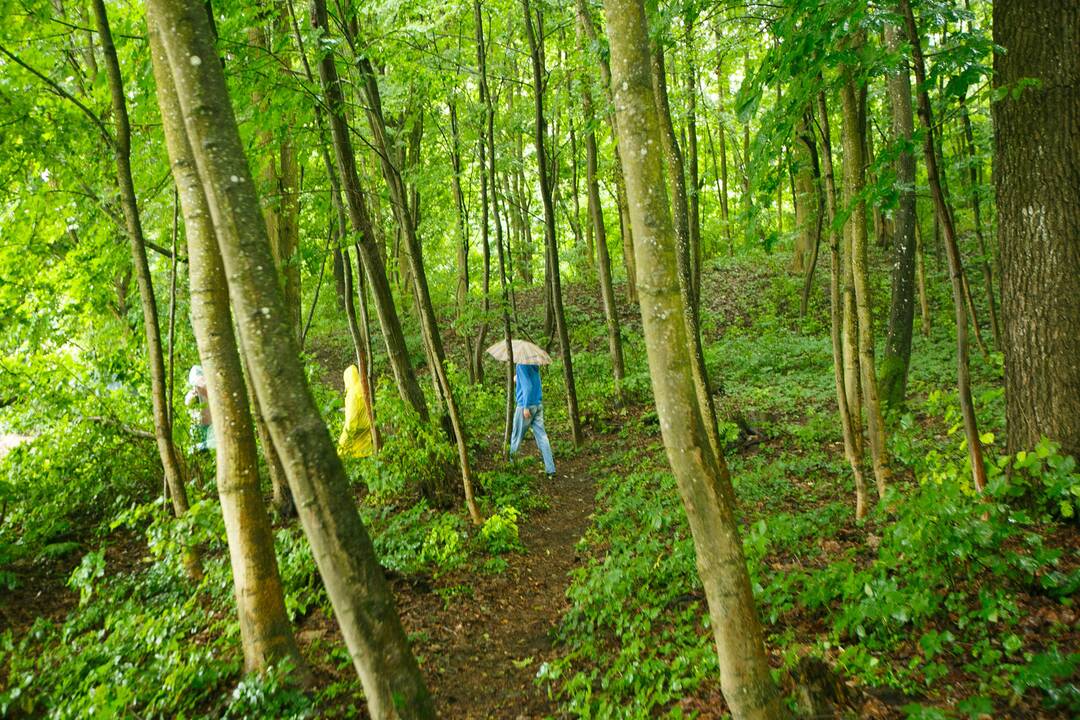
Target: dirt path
[{"x": 481, "y": 653}]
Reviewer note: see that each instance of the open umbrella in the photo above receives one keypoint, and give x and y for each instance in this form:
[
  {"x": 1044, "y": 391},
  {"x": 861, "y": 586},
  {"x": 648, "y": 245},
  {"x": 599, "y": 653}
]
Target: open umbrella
[{"x": 525, "y": 353}]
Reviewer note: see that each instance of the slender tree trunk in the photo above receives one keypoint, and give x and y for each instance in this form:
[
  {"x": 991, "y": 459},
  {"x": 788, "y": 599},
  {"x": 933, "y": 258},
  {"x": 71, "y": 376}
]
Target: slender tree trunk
[
  {"x": 404, "y": 375},
  {"x": 975, "y": 179},
  {"x": 489, "y": 139},
  {"x": 407, "y": 212},
  {"x": 121, "y": 147},
  {"x": 721, "y": 92},
  {"x": 747, "y": 198},
  {"x": 265, "y": 632},
  {"x": 956, "y": 270},
  {"x": 702, "y": 476},
  {"x": 854, "y": 103},
  {"x": 596, "y": 216},
  {"x": 620, "y": 185},
  {"x": 342, "y": 549},
  {"x": 920, "y": 281},
  {"x": 894, "y": 366},
  {"x": 461, "y": 295},
  {"x": 852, "y": 447},
  {"x": 817, "y": 216},
  {"x": 694, "y": 181},
  {"x": 550, "y": 239},
  {"x": 1036, "y": 173}
]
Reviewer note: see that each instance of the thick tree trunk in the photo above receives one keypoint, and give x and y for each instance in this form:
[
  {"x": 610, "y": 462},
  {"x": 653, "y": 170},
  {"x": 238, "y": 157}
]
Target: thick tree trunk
[
  {"x": 1037, "y": 171},
  {"x": 265, "y": 632},
  {"x": 702, "y": 476},
  {"x": 121, "y": 147},
  {"x": 854, "y": 104},
  {"x": 894, "y": 366},
  {"x": 956, "y": 270},
  {"x": 550, "y": 239},
  {"x": 342, "y": 549},
  {"x": 684, "y": 251}
]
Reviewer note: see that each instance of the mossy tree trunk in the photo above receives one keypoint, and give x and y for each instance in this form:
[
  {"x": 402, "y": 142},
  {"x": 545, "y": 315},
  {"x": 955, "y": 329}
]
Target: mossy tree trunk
[
  {"x": 702, "y": 475},
  {"x": 343, "y": 551},
  {"x": 265, "y": 633}
]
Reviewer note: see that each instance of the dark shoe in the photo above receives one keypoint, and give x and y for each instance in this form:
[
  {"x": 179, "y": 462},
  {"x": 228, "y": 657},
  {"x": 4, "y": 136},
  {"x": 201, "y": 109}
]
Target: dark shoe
[{"x": 551, "y": 476}]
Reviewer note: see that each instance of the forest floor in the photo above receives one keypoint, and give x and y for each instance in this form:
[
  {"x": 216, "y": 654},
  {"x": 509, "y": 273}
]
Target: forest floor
[
  {"x": 599, "y": 613},
  {"x": 480, "y": 638}
]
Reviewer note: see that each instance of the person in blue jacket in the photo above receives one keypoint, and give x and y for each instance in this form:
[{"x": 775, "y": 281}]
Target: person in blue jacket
[{"x": 530, "y": 414}]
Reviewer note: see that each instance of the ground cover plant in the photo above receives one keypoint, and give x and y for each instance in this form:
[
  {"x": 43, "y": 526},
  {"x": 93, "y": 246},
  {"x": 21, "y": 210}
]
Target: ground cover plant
[{"x": 800, "y": 279}]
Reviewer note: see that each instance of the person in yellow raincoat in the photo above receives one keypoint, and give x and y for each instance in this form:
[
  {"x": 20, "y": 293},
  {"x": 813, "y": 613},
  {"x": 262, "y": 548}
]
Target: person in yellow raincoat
[{"x": 355, "y": 440}]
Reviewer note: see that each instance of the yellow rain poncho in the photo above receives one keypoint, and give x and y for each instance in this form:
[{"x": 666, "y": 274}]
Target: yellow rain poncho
[{"x": 355, "y": 440}]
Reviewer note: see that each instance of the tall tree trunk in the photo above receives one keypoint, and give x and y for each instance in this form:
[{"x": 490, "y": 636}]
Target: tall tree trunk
[
  {"x": 684, "y": 253},
  {"x": 920, "y": 281},
  {"x": 121, "y": 147},
  {"x": 975, "y": 180},
  {"x": 693, "y": 181},
  {"x": 550, "y": 239},
  {"x": 407, "y": 213},
  {"x": 806, "y": 193},
  {"x": 701, "y": 475},
  {"x": 854, "y": 104},
  {"x": 747, "y": 197},
  {"x": 620, "y": 185},
  {"x": 848, "y": 422},
  {"x": 461, "y": 294},
  {"x": 489, "y": 140},
  {"x": 404, "y": 375},
  {"x": 342, "y": 549},
  {"x": 721, "y": 93},
  {"x": 596, "y": 216},
  {"x": 956, "y": 270},
  {"x": 1037, "y": 151},
  {"x": 265, "y": 633},
  {"x": 817, "y": 215},
  {"x": 894, "y": 366}
]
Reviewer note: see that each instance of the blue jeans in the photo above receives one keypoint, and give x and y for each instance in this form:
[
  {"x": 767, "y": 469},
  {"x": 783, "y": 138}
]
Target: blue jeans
[{"x": 536, "y": 422}]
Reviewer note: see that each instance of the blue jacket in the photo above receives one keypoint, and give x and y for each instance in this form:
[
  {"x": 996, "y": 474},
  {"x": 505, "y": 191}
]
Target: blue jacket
[{"x": 527, "y": 390}]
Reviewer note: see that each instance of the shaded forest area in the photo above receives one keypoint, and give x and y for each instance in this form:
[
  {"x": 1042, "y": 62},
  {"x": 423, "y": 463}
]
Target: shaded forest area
[{"x": 808, "y": 274}]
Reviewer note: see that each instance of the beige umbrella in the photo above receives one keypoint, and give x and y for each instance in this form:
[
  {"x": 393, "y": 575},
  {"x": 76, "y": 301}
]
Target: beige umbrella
[{"x": 525, "y": 353}]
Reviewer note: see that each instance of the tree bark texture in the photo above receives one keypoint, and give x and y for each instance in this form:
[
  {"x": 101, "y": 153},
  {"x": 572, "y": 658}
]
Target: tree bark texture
[
  {"x": 265, "y": 633},
  {"x": 1037, "y": 172},
  {"x": 342, "y": 549},
  {"x": 894, "y": 366},
  {"x": 854, "y": 104},
  {"x": 849, "y": 423},
  {"x": 702, "y": 476}
]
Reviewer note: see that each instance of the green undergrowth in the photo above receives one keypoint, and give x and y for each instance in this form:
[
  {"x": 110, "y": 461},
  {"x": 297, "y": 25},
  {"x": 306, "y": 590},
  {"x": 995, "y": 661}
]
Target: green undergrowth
[{"x": 961, "y": 603}]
